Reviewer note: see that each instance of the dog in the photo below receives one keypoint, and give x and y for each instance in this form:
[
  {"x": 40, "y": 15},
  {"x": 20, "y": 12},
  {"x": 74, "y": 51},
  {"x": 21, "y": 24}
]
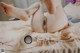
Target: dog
[
  {"x": 55, "y": 20},
  {"x": 35, "y": 11}
]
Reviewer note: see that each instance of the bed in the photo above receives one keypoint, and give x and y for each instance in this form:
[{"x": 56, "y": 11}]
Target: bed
[{"x": 12, "y": 34}]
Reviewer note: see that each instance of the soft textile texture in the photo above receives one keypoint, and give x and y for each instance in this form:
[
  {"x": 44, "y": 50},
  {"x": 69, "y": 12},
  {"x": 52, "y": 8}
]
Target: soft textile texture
[
  {"x": 73, "y": 20},
  {"x": 12, "y": 34}
]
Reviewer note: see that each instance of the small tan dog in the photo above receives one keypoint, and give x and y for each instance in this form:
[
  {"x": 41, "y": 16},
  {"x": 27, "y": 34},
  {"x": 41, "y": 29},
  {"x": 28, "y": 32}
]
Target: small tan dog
[{"x": 56, "y": 18}]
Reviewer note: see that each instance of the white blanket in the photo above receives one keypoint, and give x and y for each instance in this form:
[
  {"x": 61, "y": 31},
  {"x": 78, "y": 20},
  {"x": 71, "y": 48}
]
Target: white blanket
[{"x": 12, "y": 35}]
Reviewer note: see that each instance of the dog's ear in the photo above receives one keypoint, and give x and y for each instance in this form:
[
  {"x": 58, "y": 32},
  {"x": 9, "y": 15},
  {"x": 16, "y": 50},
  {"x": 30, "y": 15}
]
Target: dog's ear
[
  {"x": 33, "y": 9},
  {"x": 2, "y": 4},
  {"x": 14, "y": 11},
  {"x": 5, "y": 7}
]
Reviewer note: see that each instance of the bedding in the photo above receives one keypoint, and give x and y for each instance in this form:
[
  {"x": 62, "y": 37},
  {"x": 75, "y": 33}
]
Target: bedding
[
  {"x": 57, "y": 44},
  {"x": 12, "y": 34},
  {"x": 72, "y": 10},
  {"x": 73, "y": 20}
]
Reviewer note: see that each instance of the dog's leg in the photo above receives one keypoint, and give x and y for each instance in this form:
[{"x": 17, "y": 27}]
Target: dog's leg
[
  {"x": 56, "y": 18},
  {"x": 37, "y": 17},
  {"x": 51, "y": 8}
]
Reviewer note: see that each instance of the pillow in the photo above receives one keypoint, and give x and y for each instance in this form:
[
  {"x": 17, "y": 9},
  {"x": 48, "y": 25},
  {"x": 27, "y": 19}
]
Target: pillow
[{"x": 73, "y": 20}]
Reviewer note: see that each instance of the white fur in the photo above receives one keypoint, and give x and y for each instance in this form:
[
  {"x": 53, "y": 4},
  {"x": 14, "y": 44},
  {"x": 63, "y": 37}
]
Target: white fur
[
  {"x": 57, "y": 20},
  {"x": 38, "y": 19}
]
